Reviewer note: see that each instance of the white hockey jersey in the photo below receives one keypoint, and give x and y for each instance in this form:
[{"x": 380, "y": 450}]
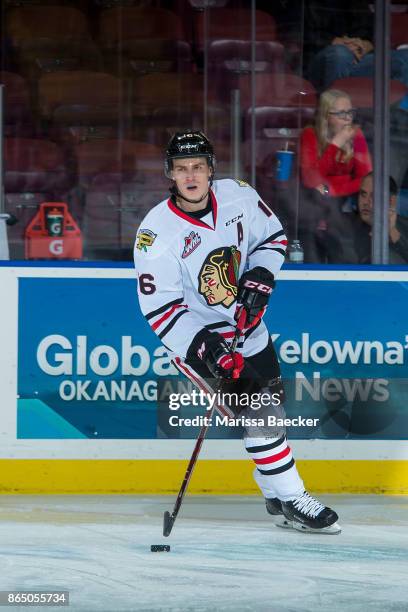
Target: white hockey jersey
[{"x": 188, "y": 269}]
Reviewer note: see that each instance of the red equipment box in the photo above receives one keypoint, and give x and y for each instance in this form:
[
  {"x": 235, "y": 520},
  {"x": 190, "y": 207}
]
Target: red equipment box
[{"x": 53, "y": 234}]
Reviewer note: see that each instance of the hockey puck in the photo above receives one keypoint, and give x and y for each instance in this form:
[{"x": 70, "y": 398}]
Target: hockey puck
[{"x": 160, "y": 548}]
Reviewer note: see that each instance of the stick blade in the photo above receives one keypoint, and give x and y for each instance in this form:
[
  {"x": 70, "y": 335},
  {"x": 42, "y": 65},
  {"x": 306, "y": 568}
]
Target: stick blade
[{"x": 168, "y": 522}]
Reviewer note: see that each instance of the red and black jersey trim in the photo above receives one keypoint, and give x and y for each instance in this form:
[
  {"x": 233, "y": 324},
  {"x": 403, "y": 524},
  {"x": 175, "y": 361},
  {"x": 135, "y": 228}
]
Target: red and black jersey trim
[
  {"x": 276, "y": 242},
  {"x": 218, "y": 325},
  {"x": 184, "y": 215},
  {"x": 163, "y": 308},
  {"x": 228, "y": 335},
  {"x": 172, "y": 323},
  {"x": 281, "y": 251},
  {"x": 273, "y": 237},
  {"x": 265, "y": 208}
]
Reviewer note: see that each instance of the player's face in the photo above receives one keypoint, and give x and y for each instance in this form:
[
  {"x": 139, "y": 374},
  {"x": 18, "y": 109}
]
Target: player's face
[
  {"x": 365, "y": 200},
  {"x": 211, "y": 287},
  {"x": 191, "y": 175}
]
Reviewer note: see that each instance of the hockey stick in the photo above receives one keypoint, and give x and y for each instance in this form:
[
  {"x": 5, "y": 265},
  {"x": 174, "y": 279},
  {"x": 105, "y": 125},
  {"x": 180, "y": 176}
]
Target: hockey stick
[{"x": 169, "y": 519}]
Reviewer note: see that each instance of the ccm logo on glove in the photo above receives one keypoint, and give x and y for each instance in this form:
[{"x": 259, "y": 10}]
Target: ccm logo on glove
[
  {"x": 250, "y": 284},
  {"x": 254, "y": 290}
]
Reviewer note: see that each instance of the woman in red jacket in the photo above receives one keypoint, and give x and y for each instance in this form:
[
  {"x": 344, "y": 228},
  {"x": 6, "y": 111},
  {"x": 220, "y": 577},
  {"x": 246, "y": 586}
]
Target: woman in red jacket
[{"x": 334, "y": 158}]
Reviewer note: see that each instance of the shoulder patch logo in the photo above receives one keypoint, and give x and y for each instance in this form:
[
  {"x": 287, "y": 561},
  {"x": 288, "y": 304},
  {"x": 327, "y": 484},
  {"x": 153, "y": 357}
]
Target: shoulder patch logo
[
  {"x": 191, "y": 243},
  {"x": 144, "y": 239},
  {"x": 241, "y": 183}
]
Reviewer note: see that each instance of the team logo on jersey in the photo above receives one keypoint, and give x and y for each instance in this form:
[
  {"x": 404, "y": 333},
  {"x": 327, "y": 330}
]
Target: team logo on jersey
[
  {"x": 144, "y": 239},
  {"x": 191, "y": 242},
  {"x": 218, "y": 277},
  {"x": 241, "y": 183}
]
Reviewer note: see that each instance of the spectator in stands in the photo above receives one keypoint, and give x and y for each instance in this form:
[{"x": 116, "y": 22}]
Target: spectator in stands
[
  {"x": 339, "y": 40},
  {"x": 325, "y": 21},
  {"x": 352, "y": 56},
  {"x": 334, "y": 158},
  {"x": 397, "y": 229}
]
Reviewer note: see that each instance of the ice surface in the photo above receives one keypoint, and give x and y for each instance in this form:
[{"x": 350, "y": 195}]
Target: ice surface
[{"x": 225, "y": 555}]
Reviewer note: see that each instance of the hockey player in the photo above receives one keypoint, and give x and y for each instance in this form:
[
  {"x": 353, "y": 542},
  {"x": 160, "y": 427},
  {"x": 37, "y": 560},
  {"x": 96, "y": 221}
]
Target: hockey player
[{"x": 202, "y": 255}]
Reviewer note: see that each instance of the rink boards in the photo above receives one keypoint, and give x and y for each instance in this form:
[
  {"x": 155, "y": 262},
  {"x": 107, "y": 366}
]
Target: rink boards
[{"x": 78, "y": 363}]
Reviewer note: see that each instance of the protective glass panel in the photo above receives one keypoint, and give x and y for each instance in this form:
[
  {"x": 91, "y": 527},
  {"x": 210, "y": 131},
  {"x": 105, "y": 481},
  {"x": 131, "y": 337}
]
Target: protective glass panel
[{"x": 284, "y": 90}]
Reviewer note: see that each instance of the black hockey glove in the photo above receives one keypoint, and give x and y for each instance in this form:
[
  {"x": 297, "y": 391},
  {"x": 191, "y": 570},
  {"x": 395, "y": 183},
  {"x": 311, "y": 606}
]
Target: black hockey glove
[
  {"x": 212, "y": 349},
  {"x": 254, "y": 290}
]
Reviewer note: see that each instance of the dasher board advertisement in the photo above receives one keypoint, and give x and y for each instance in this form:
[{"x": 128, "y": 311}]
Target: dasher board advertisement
[{"x": 88, "y": 363}]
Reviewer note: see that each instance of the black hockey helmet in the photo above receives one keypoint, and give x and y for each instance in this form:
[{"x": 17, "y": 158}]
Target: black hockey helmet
[{"x": 188, "y": 144}]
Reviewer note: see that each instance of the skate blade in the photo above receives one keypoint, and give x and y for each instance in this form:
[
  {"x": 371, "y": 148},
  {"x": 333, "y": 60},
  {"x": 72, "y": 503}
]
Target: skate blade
[
  {"x": 330, "y": 530},
  {"x": 283, "y": 523}
]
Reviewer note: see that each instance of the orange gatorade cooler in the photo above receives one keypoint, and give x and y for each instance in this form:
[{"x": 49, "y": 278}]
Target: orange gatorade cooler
[{"x": 53, "y": 234}]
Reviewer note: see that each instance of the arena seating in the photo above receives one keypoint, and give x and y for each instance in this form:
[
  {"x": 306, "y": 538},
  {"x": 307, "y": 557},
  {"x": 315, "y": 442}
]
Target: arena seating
[
  {"x": 78, "y": 105},
  {"x": 108, "y": 81},
  {"x": 399, "y": 30},
  {"x": 227, "y": 24},
  {"x": 18, "y": 119},
  {"x": 119, "y": 180},
  {"x": 361, "y": 90},
  {"x": 50, "y": 38},
  {"x": 236, "y": 55},
  {"x": 143, "y": 40}
]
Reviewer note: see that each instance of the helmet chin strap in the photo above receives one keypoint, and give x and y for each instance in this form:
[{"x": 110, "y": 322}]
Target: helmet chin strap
[{"x": 174, "y": 191}]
